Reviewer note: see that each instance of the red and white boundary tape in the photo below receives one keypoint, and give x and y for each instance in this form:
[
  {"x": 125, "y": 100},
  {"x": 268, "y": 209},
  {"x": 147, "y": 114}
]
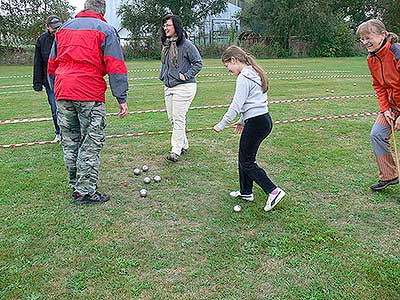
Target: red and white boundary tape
[
  {"x": 202, "y": 129},
  {"x": 157, "y": 70},
  {"x": 210, "y": 81},
  {"x": 29, "y": 120}
]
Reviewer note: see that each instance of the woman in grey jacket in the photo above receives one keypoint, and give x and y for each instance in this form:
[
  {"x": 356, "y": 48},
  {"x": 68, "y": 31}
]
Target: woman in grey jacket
[
  {"x": 255, "y": 124},
  {"x": 181, "y": 62}
]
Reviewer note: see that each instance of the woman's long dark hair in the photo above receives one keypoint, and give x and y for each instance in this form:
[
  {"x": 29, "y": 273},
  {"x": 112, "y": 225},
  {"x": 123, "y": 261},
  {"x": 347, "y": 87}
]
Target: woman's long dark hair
[{"x": 180, "y": 32}]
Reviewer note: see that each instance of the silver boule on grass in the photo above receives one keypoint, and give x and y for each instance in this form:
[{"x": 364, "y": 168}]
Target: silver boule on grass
[
  {"x": 143, "y": 193},
  {"x": 157, "y": 178},
  {"x": 237, "y": 208},
  {"x": 136, "y": 171},
  {"x": 145, "y": 168},
  {"x": 146, "y": 180}
]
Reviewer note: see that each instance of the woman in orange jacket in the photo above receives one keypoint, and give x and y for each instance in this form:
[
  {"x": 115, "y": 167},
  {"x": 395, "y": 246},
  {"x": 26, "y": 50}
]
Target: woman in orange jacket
[{"x": 384, "y": 65}]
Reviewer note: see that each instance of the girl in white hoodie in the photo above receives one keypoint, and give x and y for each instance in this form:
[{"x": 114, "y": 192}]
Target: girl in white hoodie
[{"x": 255, "y": 123}]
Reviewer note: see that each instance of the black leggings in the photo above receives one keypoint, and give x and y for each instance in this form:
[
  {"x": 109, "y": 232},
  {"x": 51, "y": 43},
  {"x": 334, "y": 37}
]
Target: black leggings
[{"x": 255, "y": 130}]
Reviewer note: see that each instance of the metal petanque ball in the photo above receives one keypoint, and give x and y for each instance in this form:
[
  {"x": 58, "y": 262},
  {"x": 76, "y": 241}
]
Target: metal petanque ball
[
  {"x": 143, "y": 193},
  {"x": 327, "y": 90},
  {"x": 145, "y": 168},
  {"x": 136, "y": 171},
  {"x": 157, "y": 178},
  {"x": 146, "y": 180},
  {"x": 332, "y": 91},
  {"x": 237, "y": 208},
  {"x": 354, "y": 84}
]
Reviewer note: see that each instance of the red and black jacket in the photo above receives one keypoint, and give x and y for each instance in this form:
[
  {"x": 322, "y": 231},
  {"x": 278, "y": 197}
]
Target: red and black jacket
[
  {"x": 384, "y": 65},
  {"x": 85, "y": 49}
]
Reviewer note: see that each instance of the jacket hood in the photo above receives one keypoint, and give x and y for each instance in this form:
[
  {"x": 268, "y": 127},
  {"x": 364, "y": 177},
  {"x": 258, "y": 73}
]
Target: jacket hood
[
  {"x": 251, "y": 73},
  {"x": 90, "y": 14}
]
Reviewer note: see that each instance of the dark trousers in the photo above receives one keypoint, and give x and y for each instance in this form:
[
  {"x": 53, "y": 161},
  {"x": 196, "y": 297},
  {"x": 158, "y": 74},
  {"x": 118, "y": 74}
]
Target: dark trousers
[
  {"x": 52, "y": 102},
  {"x": 255, "y": 130}
]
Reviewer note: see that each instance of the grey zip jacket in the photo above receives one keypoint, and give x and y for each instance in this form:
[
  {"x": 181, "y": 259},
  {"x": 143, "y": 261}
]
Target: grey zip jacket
[
  {"x": 249, "y": 99},
  {"x": 189, "y": 64}
]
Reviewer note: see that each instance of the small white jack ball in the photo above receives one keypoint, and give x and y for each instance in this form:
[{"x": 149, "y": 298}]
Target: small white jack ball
[
  {"x": 157, "y": 178},
  {"x": 136, "y": 171},
  {"x": 237, "y": 208},
  {"x": 143, "y": 193},
  {"x": 146, "y": 180},
  {"x": 327, "y": 90},
  {"x": 145, "y": 168},
  {"x": 332, "y": 91},
  {"x": 354, "y": 84}
]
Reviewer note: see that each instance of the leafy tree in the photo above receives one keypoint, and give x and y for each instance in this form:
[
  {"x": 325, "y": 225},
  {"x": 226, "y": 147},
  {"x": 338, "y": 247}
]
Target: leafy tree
[
  {"x": 143, "y": 17},
  {"x": 328, "y": 25},
  {"x": 22, "y": 21}
]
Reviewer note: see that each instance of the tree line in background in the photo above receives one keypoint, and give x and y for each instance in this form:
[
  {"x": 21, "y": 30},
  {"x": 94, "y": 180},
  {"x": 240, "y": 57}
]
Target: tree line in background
[
  {"x": 326, "y": 26},
  {"x": 22, "y": 21},
  {"x": 270, "y": 28}
]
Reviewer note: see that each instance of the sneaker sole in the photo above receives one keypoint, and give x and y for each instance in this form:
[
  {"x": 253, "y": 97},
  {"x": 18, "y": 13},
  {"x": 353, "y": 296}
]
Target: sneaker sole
[{"x": 251, "y": 198}]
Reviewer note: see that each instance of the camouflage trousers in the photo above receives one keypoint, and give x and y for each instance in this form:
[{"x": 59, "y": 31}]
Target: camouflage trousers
[{"x": 82, "y": 138}]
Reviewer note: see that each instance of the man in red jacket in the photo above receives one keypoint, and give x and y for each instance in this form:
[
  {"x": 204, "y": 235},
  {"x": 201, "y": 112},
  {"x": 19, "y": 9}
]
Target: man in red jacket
[{"x": 85, "y": 49}]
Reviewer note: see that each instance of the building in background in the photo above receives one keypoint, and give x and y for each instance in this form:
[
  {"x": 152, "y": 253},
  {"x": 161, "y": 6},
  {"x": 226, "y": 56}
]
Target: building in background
[
  {"x": 221, "y": 28},
  {"x": 113, "y": 19}
]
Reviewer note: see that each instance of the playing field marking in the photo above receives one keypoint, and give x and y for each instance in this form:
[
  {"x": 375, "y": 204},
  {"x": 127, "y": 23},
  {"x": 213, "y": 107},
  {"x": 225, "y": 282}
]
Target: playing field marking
[
  {"x": 157, "y": 70},
  {"x": 29, "y": 120},
  {"x": 367, "y": 114}
]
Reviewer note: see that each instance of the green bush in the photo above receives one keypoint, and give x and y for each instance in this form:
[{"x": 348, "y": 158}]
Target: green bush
[
  {"x": 16, "y": 55},
  {"x": 142, "y": 48},
  {"x": 261, "y": 50},
  {"x": 212, "y": 50}
]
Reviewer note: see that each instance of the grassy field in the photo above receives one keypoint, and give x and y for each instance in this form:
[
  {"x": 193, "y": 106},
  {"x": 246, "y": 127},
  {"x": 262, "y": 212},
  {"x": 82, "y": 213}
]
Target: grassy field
[{"x": 331, "y": 237}]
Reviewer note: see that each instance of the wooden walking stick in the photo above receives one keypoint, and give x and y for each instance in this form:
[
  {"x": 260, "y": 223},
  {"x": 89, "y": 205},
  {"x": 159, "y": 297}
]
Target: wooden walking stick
[{"x": 395, "y": 149}]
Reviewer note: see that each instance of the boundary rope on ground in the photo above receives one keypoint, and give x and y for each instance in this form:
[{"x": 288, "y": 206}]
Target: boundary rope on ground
[
  {"x": 157, "y": 70},
  {"x": 29, "y": 120},
  {"x": 217, "y": 81},
  {"x": 357, "y": 115}
]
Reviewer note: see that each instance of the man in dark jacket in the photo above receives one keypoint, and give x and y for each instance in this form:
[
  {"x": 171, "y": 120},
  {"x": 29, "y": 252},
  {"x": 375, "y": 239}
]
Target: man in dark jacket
[
  {"x": 42, "y": 51},
  {"x": 85, "y": 49}
]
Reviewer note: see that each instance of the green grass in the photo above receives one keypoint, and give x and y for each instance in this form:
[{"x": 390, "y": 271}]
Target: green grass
[{"x": 331, "y": 237}]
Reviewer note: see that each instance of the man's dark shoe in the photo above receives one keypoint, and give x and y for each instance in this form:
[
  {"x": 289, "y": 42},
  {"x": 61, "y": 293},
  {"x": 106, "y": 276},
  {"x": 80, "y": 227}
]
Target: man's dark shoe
[
  {"x": 173, "y": 157},
  {"x": 97, "y": 197},
  {"x": 382, "y": 184},
  {"x": 184, "y": 151},
  {"x": 94, "y": 198},
  {"x": 78, "y": 197}
]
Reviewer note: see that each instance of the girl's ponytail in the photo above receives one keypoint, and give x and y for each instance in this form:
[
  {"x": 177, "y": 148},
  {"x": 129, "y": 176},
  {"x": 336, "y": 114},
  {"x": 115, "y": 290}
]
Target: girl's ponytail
[{"x": 252, "y": 62}]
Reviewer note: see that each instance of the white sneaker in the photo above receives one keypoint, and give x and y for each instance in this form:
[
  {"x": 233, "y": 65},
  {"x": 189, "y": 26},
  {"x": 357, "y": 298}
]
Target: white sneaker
[
  {"x": 273, "y": 200},
  {"x": 57, "y": 138},
  {"x": 237, "y": 194}
]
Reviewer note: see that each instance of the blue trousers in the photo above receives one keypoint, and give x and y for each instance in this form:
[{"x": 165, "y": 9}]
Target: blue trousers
[
  {"x": 52, "y": 102},
  {"x": 255, "y": 130}
]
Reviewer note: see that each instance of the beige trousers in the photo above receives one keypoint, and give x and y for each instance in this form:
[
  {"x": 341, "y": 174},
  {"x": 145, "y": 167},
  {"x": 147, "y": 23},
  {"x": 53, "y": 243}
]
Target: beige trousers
[{"x": 177, "y": 103}]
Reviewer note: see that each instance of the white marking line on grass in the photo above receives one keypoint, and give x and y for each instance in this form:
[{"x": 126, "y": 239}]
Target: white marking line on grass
[
  {"x": 14, "y": 86},
  {"x": 270, "y": 78},
  {"x": 29, "y": 120},
  {"x": 16, "y": 92},
  {"x": 230, "y": 74},
  {"x": 218, "y": 81},
  {"x": 367, "y": 114}
]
